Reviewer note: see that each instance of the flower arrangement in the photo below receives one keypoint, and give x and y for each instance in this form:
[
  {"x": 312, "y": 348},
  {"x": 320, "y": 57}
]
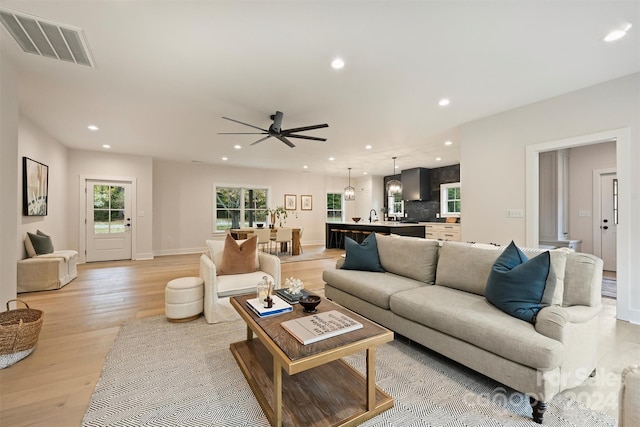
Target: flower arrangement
[{"x": 280, "y": 214}]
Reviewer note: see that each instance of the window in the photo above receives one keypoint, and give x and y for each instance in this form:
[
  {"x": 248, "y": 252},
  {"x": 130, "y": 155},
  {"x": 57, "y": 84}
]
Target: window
[
  {"x": 450, "y": 200},
  {"x": 240, "y": 207},
  {"x": 395, "y": 202},
  {"x": 108, "y": 209},
  {"x": 334, "y": 207}
]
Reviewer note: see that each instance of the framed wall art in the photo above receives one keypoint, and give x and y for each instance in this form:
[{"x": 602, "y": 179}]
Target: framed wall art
[
  {"x": 290, "y": 202},
  {"x": 306, "y": 202},
  {"x": 35, "y": 187}
]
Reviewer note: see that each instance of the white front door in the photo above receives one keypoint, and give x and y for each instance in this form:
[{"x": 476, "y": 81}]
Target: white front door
[
  {"x": 608, "y": 219},
  {"x": 108, "y": 229}
]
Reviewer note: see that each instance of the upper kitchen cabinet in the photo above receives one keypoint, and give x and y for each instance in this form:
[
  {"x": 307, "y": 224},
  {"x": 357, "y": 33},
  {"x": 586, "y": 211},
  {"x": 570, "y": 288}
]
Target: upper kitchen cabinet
[{"x": 416, "y": 184}]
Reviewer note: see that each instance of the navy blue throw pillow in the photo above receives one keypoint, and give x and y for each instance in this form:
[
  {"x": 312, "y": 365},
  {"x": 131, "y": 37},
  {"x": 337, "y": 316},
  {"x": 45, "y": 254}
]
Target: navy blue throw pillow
[
  {"x": 363, "y": 256},
  {"x": 516, "y": 284}
]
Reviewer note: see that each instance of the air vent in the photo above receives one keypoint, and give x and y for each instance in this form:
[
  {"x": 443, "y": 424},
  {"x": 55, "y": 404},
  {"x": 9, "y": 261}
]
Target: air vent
[{"x": 45, "y": 38}]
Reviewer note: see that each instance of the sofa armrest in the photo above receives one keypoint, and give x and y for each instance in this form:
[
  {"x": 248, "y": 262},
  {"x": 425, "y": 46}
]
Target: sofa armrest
[
  {"x": 553, "y": 322},
  {"x": 271, "y": 264}
]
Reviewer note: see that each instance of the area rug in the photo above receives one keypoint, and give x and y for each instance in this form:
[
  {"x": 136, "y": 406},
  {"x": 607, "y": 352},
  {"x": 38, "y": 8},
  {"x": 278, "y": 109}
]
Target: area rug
[
  {"x": 609, "y": 288},
  {"x": 183, "y": 374}
]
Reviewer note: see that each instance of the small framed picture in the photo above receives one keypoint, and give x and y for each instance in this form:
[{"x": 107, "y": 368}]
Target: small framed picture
[
  {"x": 306, "y": 202},
  {"x": 290, "y": 202}
]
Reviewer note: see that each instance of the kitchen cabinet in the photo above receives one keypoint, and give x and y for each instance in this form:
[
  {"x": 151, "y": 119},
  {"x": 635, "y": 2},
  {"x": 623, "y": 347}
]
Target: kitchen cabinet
[{"x": 442, "y": 231}]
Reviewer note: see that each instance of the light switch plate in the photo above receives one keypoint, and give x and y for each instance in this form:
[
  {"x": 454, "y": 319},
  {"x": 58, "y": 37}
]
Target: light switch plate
[{"x": 515, "y": 213}]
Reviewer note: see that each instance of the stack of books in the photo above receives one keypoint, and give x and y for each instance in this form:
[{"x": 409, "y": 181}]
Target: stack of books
[
  {"x": 291, "y": 298},
  {"x": 279, "y": 306}
]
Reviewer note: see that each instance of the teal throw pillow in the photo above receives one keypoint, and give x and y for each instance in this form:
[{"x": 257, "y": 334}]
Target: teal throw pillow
[
  {"x": 363, "y": 256},
  {"x": 42, "y": 243},
  {"x": 516, "y": 284}
]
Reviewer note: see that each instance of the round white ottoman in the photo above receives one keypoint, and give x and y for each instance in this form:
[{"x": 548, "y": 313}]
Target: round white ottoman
[{"x": 184, "y": 299}]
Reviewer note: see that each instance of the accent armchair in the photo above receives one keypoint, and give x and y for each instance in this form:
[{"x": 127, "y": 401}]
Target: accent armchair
[{"x": 218, "y": 288}]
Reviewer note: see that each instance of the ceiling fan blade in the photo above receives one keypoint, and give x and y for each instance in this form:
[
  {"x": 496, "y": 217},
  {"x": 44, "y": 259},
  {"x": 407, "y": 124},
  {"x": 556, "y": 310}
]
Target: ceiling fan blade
[
  {"x": 277, "y": 122},
  {"x": 246, "y": 124},
  {"x": 285, "y": 140},
  {"x": 314, "y": 138},
  {"x": 242, "y": 133},
  {"x": 312, "y": 127},
  {"x": 260, "y": 140}
]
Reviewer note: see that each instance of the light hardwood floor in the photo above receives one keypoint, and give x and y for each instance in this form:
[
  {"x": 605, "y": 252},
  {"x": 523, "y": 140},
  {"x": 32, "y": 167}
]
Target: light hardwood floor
[{"x": 52, "y": 387}]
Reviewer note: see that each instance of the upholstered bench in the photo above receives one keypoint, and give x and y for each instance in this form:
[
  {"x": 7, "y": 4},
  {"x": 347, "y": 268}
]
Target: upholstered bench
[
  {"x": 184, "y": 299},
  {"x": 47, "y": 272}
]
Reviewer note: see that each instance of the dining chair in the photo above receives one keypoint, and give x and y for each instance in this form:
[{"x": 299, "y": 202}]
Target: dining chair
[
  {"x": 264, "y": 237},
  {"x": 284, "y": 235}
]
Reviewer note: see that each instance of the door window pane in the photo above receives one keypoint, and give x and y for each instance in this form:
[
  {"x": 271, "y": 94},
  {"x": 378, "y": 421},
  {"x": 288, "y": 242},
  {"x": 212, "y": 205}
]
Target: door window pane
[
  {"x": 117, "y": 222},
  {"x": 108, "y": 209},
  {"x": 117, "y": 197}
]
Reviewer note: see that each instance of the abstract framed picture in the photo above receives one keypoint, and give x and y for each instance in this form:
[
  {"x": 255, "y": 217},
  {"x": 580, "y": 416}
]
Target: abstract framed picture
[
  {"x": 290, "y": 202},
  {"x": 35, "y": 187},
  {"x": 306, "y": 202}
]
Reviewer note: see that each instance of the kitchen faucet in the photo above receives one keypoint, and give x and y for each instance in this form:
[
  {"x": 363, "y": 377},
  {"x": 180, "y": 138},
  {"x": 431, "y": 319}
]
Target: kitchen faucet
[{"x": 374, "y": 213}]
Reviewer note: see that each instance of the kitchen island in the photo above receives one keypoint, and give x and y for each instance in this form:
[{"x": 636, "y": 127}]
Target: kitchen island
[{"x": 337, "y": 231}]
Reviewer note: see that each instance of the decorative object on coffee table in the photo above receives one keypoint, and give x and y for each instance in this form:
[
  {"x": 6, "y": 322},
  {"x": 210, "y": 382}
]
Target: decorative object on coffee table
[{"x": 309, "y": 303}]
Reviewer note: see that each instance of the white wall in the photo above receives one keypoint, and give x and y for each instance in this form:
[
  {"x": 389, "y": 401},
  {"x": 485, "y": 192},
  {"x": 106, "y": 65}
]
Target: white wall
[
  {"x": 493, "y": 166},
  {"x": 582, "y": 162},
  {"x": 105, "y": 165},
  {"x": 183, "y": 201},
  {"x": 41, "y": 147},
  {"x": 9, "y": 185}
]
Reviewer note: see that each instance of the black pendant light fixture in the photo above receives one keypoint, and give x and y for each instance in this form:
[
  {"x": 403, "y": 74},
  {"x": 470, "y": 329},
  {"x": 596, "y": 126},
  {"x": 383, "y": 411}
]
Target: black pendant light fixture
[{"x": 349, "y": 192}]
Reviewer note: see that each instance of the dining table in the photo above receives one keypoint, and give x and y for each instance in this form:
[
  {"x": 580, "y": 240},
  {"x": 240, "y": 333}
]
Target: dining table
[{"x": 246, "y": 232}]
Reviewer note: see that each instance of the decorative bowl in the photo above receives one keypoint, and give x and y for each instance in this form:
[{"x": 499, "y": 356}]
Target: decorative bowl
[
  {"x": 356, "y": 219},
  {"x": 309, "y": 303},
  {"x": 260, "y": 225}
]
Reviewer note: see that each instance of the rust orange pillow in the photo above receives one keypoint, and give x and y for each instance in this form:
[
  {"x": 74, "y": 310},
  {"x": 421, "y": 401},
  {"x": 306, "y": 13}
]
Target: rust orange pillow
[{"x": 238, "y": 259}]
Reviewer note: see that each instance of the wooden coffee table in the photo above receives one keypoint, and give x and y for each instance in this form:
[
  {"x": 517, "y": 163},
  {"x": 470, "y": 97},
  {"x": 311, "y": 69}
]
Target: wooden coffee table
[{"x": 318, "y": 388}]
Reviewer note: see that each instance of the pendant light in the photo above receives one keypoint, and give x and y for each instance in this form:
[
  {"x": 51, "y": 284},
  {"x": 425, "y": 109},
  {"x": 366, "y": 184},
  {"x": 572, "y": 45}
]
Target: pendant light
[
  {"x": 394, "y": 186},
  {"x": 349, "y": 192}
]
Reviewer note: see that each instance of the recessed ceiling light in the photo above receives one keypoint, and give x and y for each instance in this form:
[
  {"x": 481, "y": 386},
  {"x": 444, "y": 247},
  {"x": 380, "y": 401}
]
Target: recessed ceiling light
[
  {"x": 331, "y": 159},
  {"x": 448, "y": 143},
  {"x": 93, "y": 127},
  {"x": 106, "y": 146},
  {"x": 368, "y": 147},
  {"x": 364, "y": 173},
  {"x": 444, "y": 102},
  {"x": 438, "y": 159},
  {"x": 305, "y": 167},
  {"x": 237, "y": 146},
  {"x": 225, "y": 158},
  {"x": 617, "y": 34},
  {"x": 337, "y": 64}
]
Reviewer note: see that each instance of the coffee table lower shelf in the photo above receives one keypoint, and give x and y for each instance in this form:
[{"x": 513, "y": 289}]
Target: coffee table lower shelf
[{"x": 332, "y": 394}]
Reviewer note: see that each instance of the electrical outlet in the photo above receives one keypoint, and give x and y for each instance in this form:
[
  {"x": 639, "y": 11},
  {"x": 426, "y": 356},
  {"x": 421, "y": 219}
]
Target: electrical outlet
[{"x": 515, "y": 213}]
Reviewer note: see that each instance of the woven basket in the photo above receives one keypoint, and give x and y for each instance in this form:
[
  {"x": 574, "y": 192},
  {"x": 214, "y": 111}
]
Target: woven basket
[{"x": 19, "y": 331}]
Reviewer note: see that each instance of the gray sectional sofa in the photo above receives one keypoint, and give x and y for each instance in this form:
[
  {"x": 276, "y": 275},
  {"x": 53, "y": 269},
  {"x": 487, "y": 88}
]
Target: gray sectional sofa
[{"x": 434, "y": 295}]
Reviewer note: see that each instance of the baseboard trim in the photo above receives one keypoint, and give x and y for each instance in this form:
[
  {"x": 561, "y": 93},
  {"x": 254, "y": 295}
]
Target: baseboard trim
[{"x": 183, "y": 251}]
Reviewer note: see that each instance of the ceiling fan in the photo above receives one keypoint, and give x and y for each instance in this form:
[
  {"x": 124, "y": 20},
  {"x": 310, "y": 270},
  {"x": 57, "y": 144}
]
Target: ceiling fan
[{"x": 276, "y": 131}]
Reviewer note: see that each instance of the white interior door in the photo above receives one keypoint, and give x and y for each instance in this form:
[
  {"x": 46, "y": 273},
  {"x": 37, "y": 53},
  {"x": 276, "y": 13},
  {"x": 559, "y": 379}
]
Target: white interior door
[
  {"x": 608, "y": 219},
  {"x": 108, "y": 230}
]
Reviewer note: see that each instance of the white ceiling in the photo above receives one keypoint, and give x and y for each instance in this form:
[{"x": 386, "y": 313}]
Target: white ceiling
[{"x": 167, "y": 71}]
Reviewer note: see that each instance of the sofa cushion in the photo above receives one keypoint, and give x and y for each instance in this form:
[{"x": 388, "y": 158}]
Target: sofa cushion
[
  {"x": 375, "y": 288},
  {"x": 412, "y": 257},
  {"x": 471, "y": 318},
  {"x": 238, "y": 284},
  {"x": 238, "y": 258},
  {"x": 554, "y": 287},
  {"x": 464, "y": 267},
  {"x": 362, "y": 256},
  {"x": 516, "y": 284},
  {"x": 42, "y": 244}
]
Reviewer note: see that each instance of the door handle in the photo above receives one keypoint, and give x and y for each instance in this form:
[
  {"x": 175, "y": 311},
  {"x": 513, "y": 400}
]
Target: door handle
[
  {"x": 604, "y": 227},
  {"x": 127, "y": 225}
]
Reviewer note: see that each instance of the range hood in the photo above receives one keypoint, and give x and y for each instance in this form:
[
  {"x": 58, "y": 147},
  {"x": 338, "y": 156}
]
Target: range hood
[{"x": 416, "y": 184}]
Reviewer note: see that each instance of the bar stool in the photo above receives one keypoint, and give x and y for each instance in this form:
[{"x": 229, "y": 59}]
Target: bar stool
[
  {"x": 357, "y": 235},
  {"x": 336, "y": 235},
  {"x": 365, "y": 234}
]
